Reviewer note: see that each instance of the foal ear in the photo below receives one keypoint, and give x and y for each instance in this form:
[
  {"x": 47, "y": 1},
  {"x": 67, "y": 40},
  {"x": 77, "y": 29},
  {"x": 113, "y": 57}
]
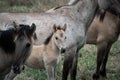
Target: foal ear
[
  {"x": 54, "y": 28},
  {"x": 33, "y": 28},
  {"x": 14, "y": 25},
  {"x": 64, "y": 27}
]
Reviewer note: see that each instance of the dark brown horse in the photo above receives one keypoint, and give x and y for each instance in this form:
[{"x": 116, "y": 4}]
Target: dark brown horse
[
  {"x": 15, "y": 47},
  {"x": 103, "y": 35}
]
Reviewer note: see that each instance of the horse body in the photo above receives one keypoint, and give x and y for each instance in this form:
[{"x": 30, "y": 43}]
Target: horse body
[
  {"x": 35, "y": 60},
  {"x": 107, "y": 30},
  {"x": 103, "y": 35},
  {"x": 4, "y": 67}
]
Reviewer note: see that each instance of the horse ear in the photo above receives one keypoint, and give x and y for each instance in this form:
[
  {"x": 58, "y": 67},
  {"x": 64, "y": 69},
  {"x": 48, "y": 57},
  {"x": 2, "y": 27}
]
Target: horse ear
[
  {"x": 33, "y": 28},
  {"x": 64, "y": 27},
  {"x": 35, "y": 36},
  {"x": 54, "y": 28},
  {"x": 14, "y": 25}
]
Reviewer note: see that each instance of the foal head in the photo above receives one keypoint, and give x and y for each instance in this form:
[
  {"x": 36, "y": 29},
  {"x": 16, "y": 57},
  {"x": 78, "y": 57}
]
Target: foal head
[
  {"x": 59, "y": 37},
  {"x": 24, "y": 42}
]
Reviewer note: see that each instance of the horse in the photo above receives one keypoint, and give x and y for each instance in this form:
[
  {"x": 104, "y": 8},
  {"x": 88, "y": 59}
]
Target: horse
[
  {"x": 103, "y": 35},
  {"x": 77, "y": 16},
  {"x": 15, "y": 47},
  {"x": 48, "y": 54}
]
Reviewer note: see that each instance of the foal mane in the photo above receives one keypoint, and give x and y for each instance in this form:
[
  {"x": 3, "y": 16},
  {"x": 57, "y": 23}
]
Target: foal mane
[
  {"x": 50, "y": 36},
  {"x": 48, "y": 39},
  {"x": 7, "y": 40}
]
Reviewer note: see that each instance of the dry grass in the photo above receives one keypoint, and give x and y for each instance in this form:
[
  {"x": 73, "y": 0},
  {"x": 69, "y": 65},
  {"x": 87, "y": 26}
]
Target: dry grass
[{"x": 29, "y": 5}]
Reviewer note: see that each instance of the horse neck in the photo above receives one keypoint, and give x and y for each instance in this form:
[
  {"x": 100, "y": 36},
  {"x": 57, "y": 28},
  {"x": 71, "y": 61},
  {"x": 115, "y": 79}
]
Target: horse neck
[
  {"x": 52, "y": 46},
  {"x": 87, "y": 10}
]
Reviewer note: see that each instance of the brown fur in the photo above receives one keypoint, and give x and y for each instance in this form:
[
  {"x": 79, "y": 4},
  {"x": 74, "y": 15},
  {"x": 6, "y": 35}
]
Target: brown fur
[{"x": 103, "y": 35}]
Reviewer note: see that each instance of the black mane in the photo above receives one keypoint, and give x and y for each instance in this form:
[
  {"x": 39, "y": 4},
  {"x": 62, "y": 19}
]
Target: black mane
[
  {"x": 114, "y": 9},
  {"x": 7, "y": 40},
  {"x": 24, "y": 29},
  {"x": 75, "y": 2},
  {"x": 48, "y": 39}
]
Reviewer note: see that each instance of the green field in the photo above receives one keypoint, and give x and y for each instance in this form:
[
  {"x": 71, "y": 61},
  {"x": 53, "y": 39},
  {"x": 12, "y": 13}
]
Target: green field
[{"x": 87, "y": 55}]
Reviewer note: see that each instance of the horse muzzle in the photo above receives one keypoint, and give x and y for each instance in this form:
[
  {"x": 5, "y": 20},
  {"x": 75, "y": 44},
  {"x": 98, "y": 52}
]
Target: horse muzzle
[
  {"x": 18, "y": 69},
  {"x": 63, "y": 50}
]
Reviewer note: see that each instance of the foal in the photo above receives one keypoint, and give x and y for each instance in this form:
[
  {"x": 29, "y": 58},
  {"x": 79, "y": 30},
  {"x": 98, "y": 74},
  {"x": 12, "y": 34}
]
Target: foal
[{"x": 48, "y": 54}]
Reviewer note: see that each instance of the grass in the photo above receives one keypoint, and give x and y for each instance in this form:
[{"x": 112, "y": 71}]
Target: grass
[
  {"x": 86, "y": 66},
  {"x": 29, "y": 5}
]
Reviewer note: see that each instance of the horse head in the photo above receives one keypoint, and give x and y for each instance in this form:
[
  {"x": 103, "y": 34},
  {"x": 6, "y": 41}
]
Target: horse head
[{"x": 24, "y": 43}]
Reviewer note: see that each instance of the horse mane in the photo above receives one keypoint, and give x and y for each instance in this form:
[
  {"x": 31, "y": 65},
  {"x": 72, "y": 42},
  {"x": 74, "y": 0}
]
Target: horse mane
[
  {"x": 7, "y": 40},
  {"x": 24, "y": 29},
  {"x": 48, "y": 39},
  {"x": 114, "y": 8},
  {"x": 75, "y": 2}
]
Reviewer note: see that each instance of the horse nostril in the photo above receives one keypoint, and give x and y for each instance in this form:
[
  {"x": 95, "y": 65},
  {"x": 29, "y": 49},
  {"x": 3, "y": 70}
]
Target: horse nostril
[
  {"x": 63, "y": 50},
  {"x": 28, "y": 45},
  {"x": 23, "y": 67}
]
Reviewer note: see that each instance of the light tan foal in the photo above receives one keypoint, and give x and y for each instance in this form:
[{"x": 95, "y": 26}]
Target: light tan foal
[{"x": 48, "y": 54}]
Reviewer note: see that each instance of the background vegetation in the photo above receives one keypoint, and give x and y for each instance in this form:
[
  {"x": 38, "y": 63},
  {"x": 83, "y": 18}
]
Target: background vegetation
[
  {"x": 29, "y": 5},
  {"x": 87, "y": 55}
]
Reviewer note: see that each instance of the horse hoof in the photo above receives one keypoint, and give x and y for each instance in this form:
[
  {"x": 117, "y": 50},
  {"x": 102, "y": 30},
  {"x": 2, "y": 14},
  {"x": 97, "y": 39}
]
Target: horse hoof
[
  {"x": 95, "y": 76},
  {"x": 103, "y": 74}
]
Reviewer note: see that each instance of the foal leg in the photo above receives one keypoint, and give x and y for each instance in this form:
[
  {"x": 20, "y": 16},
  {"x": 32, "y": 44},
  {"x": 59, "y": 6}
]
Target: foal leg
[
  {"x": 73, "y": 70},
  {"x": 10, "y": 76},
  {"x": 103, "y": 67},
  {"x": 100, "y": 56},
  {"x": 50, "y": 72}
]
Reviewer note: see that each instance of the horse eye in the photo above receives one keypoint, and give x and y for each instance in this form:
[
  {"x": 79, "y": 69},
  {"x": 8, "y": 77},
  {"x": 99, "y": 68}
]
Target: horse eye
[{"x": 56, "y": 38}]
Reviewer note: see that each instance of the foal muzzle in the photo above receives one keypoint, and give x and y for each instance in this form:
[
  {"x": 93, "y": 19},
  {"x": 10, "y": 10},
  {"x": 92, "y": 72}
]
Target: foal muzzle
[{"x": 63, "y": 50}]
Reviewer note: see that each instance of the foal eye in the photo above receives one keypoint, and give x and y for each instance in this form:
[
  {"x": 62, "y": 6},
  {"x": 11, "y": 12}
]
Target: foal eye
[{"x": 56, "y": 38}]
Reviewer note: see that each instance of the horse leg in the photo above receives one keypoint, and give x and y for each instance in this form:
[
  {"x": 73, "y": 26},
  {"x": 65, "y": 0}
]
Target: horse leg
[
  {"x": 67, "y": 64},
  {"x": 10, "y": 76},
  {"x": 73, "y": 70},
  {"x": 50, "y": 72},
  {"x": 1, "y": 77},
  {"x": 100, "y": 55},
  {"x": 103, "y": 68}
]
